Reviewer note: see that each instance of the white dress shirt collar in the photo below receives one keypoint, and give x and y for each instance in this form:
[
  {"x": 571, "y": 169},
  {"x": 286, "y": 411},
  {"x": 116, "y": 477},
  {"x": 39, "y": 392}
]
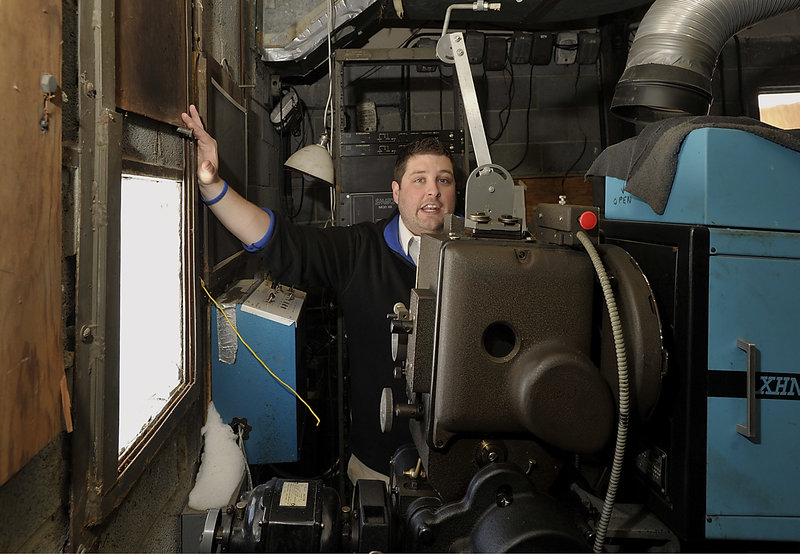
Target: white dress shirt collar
[{"x": 404, "y": 234}]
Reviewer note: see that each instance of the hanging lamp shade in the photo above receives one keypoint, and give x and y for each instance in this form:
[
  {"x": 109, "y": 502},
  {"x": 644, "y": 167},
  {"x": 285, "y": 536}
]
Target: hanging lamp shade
[{"x": 314, "y": 160}]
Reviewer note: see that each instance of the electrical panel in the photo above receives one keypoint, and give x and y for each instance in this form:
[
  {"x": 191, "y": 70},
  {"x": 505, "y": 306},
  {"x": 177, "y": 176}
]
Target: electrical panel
[{"x": 566, "y": 48}]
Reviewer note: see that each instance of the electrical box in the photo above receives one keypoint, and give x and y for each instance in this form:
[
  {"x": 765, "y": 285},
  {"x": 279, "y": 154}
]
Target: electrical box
[
  {"x": 521, "y": 44},
  {"x": 542, "y": 50},
  {"x": 266, "y": 315},
  {"x": 496, "y": 50},
  {"x": 588, "y": 47},
  {"x": 566, "y": 48},
  {"x": 356, "y": 207},
  {"x": 286, "y": 111},
  {"x": 475, "y": 41}
]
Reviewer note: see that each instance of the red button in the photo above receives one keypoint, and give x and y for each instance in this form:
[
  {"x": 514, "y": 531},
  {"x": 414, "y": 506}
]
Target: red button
[{"x": 588, "y": 220}]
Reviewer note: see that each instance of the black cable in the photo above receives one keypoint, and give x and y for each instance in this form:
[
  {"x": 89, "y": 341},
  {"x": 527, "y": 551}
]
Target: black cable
[
  {"x": 507, "y": 109},
  {"x": 365, "y": 75},
  {"x": 571, "y": 167},
  {"x": 285, "y": 146},
  {"x": 483, "y": 97},
  {"x": 283, "y": 150},
  {"x": 441, "y": 100},
  {"x": 527, "y": 122},
  {"x": 585, "y": 138},
  {"x": 304, "y": 113},
  {"x": 739, "y": 73},
  {"x": 302, "y": 196},
  {"x": 326, "y": 474}
]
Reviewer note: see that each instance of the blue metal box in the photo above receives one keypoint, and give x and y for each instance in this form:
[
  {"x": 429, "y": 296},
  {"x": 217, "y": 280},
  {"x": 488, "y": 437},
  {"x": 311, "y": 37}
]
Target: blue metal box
[
  {"x": 725, "y": 178},
  {"x": 240, "y": 386}
]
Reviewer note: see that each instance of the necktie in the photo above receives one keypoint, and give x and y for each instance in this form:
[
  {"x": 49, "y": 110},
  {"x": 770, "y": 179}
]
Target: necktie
[{"x": 413, "y": 249}]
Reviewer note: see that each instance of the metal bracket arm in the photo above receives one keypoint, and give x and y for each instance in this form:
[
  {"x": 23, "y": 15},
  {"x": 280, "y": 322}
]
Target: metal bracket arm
[{"x": 451, "y": 49}]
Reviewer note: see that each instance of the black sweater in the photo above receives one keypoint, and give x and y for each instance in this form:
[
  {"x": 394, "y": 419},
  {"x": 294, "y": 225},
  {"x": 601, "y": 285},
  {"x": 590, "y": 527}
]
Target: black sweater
[{"x": 365, "y": 265}]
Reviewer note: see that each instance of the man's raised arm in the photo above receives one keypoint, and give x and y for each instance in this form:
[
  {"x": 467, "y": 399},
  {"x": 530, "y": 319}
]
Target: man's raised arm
[{"x": 245, "y": 220}]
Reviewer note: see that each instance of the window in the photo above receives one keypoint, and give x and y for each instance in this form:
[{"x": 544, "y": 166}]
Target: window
[
  {"x": 135, "y": 310},
  {"x": 780, "y": 108},
  {"x": 152, "y": 357}
]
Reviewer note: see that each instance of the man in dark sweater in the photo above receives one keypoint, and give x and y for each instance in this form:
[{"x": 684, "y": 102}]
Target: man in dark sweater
[{"x": 370, "y": 265}]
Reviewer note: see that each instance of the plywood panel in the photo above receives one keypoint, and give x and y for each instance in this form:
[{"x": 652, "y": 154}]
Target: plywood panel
[
  {"x": 31, "y": 359},
  {"x": 151, "y": 58},
  {"x": 548, "y": 189}
]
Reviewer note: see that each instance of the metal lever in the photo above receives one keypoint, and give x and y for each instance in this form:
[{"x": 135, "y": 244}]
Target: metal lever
[
  {"x": 451, "y": 49},
  {"x": 749, "y": 429}
]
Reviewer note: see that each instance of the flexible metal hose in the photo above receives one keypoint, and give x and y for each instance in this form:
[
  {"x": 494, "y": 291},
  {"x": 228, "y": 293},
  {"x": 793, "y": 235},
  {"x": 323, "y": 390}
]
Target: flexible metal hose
[
  {"x": 624, "y": 392},
  {"x": 674, "y": 52},
  {"x": 691, "y": 33}
]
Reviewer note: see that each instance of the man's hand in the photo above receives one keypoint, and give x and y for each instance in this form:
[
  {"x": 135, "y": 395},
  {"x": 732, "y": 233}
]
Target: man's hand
[
  {"x": 207, "y": 157},
  {"x": 245, "y": 220}
]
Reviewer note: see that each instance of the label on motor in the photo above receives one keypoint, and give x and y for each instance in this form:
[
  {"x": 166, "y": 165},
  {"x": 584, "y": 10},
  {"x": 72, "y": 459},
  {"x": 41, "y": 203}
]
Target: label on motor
[{"x": 294, "y": 494}]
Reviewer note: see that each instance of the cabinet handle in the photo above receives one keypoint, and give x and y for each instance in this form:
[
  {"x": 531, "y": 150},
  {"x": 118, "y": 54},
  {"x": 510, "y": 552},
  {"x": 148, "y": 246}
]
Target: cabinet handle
[{"x": 749, "y": 429}]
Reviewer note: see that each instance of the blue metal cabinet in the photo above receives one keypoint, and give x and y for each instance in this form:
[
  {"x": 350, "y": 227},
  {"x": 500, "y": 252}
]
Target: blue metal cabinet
[
  {"x": 743, "y": 193},
  {"x": 240, "y": 386},
  {"x": 752, "y": 489}
]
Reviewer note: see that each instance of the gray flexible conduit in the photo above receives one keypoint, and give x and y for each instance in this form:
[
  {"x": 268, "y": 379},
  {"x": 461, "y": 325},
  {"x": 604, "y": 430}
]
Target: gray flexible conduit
[
  {"x": 691, "y": 33},
  {"x": 624, "y": 393}
]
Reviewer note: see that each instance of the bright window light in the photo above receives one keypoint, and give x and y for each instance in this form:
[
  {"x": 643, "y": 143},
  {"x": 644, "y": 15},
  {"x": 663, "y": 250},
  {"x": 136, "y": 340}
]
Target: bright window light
[
  {"x": 152, "y": 358},
  {"x": 780, "y": 109}
]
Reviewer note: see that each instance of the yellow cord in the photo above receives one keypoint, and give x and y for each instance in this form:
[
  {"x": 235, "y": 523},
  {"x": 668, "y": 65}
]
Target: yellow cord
[{"x": 202, "y": 284}]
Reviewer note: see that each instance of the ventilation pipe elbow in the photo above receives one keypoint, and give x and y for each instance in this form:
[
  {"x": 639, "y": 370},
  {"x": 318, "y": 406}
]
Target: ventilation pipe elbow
[{"x": 673, "y": 55}]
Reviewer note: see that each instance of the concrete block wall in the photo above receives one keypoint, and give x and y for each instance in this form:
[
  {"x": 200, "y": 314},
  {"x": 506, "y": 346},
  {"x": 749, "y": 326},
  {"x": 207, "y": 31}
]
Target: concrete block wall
[
  {"x": 149, "y": 518},
  {"x": 543, "y": 121},
  {"x": 540, "y": 120}
]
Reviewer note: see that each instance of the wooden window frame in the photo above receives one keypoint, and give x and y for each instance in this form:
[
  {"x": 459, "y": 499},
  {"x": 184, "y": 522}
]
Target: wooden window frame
[{"x": 100, "y": 477}]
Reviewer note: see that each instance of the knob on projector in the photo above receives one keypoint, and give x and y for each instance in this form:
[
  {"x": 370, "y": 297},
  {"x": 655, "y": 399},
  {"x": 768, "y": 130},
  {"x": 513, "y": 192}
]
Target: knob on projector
[{"x": 387, "y": 410}]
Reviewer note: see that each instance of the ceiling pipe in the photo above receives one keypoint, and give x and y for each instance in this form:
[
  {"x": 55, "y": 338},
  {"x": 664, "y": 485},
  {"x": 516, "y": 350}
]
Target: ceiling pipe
[{"x": 674, "y": 53}]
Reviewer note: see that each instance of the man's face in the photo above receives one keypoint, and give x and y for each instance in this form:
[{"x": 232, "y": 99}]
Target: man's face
[{"x": 426, "y": 192}]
